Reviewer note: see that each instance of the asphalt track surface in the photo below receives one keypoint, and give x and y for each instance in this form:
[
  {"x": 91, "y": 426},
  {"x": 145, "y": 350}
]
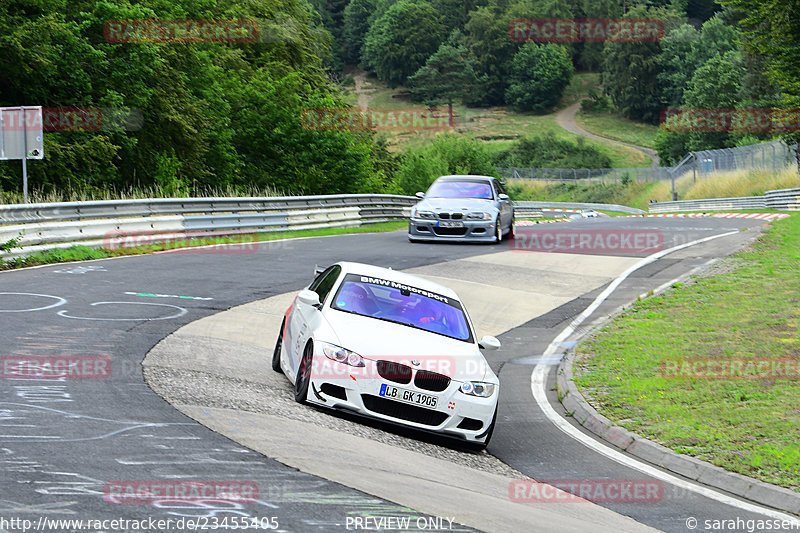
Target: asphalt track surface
[{"x": 62, "y": 441}]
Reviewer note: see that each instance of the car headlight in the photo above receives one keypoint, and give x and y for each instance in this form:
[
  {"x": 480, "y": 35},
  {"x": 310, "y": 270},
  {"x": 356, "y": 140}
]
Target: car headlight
[
  {"x": 423, "y": 214},
  {"x": 341, "y": 355},
  {"x": 479, "y": 216},
  {"x": 477, "y": 388}
]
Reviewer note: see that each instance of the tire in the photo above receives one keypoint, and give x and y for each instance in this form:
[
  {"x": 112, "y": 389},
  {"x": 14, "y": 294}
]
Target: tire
[
  {"x": 482, "y": 445},
  {"x": 276, "y": 353},
  {"x": 491, "y": 429},
  {"x": 303, "y": 378},
  {"x": 498, "y": 232},
  {"x": 511, "y": 233}
]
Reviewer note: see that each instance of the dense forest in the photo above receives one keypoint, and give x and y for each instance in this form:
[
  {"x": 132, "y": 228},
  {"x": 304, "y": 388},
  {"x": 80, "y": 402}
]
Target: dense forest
[{"x": 230, "y": 114}]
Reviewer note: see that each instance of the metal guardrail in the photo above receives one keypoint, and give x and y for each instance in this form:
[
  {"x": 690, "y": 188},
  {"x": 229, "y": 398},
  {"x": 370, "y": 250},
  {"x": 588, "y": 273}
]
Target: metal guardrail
[
  {"x": 105, "y": 222},
  {"x": 24, "y": 213},
  {"x": 579, "y": 205},
  {"x": 712, "y": 204},
  {"x": 785, "y": 199},
  {"x": 111, "y": 222},
  {"x": 788, "y": 199}
]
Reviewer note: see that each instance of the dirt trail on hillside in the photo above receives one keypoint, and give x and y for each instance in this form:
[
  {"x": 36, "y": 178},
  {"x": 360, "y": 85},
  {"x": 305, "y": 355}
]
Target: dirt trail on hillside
[
  {"x": 361, "y": 92},
  {"x": 566, "y": 119}
]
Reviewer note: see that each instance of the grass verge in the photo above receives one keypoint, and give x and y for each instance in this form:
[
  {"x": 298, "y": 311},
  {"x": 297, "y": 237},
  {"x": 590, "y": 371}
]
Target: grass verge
[
  {"x": 615, "y": 126},
  {"x": 747, "y": 311},
  {"x": 84, "y": 253}
]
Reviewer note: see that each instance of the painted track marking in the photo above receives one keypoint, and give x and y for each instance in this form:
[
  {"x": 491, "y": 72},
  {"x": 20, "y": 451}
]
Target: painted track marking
[{"x": 539, "y": 378}]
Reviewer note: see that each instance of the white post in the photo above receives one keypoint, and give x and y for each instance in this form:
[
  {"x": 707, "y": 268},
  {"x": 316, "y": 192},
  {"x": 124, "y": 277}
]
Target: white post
[{"x": 24, "y": 156}]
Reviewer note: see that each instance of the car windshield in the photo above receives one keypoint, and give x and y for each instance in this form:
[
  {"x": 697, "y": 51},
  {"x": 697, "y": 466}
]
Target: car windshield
[
  {"x": 402, "y": 304},
  {"x": 460, "y": 189}
]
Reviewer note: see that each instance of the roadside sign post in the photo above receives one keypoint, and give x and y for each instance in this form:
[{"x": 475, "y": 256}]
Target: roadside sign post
[{"x": 21, "y": 137}]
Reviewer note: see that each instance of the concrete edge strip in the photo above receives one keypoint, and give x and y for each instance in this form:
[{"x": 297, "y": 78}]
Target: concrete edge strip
[
  {"x": 510, "y": 515},
  {"x": 705, "y": 473}
]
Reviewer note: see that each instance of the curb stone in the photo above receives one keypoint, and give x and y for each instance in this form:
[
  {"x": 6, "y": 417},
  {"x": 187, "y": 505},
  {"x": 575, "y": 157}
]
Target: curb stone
[
  {"x": 705, "y": 473},
  {"x": 714, "y": 476}
]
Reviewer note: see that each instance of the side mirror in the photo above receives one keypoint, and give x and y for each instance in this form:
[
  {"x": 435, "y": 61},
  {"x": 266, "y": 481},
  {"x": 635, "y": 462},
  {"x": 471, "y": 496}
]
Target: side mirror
[
  {"x": 489, "y": 343},
  {"x": 319, "y": 270},
  {"x": 309, "y": 298},
  {"x": 503, "y": 197},
  {"x": 420, "y": 195}
]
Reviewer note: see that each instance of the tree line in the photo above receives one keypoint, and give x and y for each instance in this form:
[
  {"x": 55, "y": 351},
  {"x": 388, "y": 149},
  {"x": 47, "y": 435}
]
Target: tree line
[{"x": 217, "y": 115}]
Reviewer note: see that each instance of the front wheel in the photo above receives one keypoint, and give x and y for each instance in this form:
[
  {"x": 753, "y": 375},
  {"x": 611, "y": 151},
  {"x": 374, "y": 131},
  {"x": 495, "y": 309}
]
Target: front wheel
[
  {"x": 482, "y": 445},
  {"x": 498, "y": 232},
  {"x": 303, "y": 378},
  {"x": 276, "y": 354}
]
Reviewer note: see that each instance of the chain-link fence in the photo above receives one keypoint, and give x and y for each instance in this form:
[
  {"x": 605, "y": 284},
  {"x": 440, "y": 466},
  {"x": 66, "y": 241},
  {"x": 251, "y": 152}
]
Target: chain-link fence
[
  {"x": 597, "y": 175},
  {"x": 775, "y": 155}
]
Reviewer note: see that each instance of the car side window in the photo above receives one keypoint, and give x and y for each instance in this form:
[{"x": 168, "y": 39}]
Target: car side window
[
  {"x": 497, "y": 189},
  {"x": 325, "y": 281}
]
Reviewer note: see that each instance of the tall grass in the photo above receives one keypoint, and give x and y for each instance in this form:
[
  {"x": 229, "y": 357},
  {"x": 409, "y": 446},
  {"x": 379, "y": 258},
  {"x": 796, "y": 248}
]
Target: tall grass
[
  {"x": 719, "y": 185},
  {"x": 743, "y": 183},
  {"x": 152, "y": 191}
]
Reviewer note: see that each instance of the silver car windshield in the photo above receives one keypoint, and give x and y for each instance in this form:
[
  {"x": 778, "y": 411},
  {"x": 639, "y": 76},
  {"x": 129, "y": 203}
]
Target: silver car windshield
[
  {"x": 401, "y": 304},
  {"x": 460, "y": 189}
]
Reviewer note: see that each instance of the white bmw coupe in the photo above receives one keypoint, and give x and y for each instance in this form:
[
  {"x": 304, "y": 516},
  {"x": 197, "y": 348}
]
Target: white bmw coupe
[{"x": 390, "y": 346}]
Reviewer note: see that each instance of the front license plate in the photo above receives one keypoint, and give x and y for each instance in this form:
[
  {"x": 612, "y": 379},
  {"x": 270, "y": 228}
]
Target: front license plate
[
  {"x": 408, "y": 396},
  {"x": 450, "y": 224}
]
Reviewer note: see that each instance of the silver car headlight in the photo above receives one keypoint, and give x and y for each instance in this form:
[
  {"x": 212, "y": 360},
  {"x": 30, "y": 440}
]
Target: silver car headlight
[
  {"x": 479, "y": 216},
  {"x": 422, "y": 214},
  {"x": 477, "y": 388},
  {"x": 341, "y": 355}
]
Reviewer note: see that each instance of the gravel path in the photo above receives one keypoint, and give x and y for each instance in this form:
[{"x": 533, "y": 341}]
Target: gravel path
[{"x": 566, "y": 119}]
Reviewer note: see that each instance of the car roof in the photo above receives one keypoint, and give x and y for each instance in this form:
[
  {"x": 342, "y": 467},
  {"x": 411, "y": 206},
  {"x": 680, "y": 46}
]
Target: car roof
[
  {"x": 456, "y": 177},
  {"x": 400, "y": 277}
]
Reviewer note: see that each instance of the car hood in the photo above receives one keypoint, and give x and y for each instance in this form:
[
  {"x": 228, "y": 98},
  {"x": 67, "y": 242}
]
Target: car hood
[
  {"x": 376, "y": 339},
  {"x": 456, "y": 204}
]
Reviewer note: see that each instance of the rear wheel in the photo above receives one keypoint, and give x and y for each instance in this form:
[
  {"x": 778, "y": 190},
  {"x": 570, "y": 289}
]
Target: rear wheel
[
  {"x": 304, "y": 374},
  {"x": 511, "y": 229},
  {"x": 276, "y": 354}
]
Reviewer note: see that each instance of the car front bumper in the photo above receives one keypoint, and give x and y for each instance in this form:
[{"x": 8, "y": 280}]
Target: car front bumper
[
  {"x": 421, "y": 229},
  {"x": 335, "y": 385}
]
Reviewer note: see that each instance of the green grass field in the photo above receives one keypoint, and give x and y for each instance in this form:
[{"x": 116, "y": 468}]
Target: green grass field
[
  {"x": 748, "y": 312},
  {"x": 497, "y": 126},
  {"x": 615, "y": 126}
]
